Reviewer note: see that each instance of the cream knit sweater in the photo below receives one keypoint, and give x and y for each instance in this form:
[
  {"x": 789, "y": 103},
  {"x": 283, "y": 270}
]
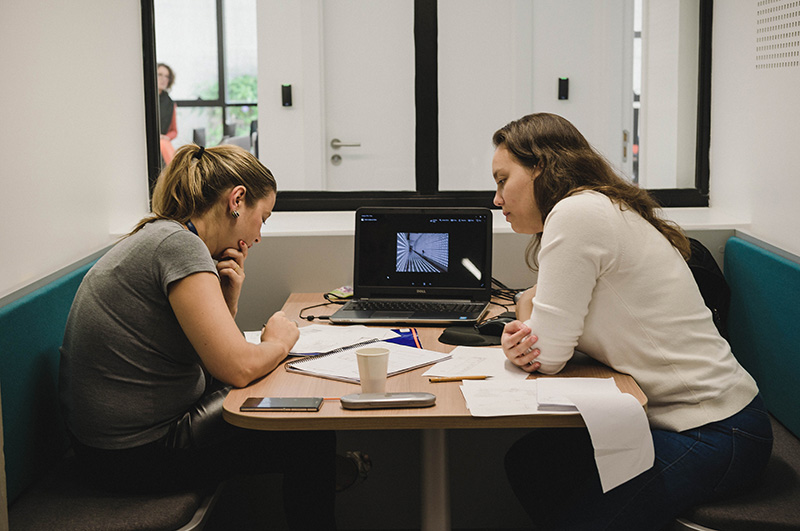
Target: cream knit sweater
[{"x": 611, "y": 286}]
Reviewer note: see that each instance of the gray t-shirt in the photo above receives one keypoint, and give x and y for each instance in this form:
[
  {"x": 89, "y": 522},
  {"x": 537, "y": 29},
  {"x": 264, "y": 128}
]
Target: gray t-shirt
[{"x": 127, "y": 369}]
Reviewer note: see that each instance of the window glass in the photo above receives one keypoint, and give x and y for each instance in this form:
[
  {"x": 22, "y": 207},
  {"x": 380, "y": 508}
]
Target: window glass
[
  {"x": 200, "y": 124},
  {"x": 212, "y": 109},
  {"x": 360, "y": 78},
  {"x": 533, "y": 45},
  {"x": 241, "y": 52},
  {"x": 239, "y": 119},
  {"x": 351, "y": 68},
  {"x": 186, "y": 40},
  {"x": 481, "y": 88},
  {"x": 637, "y": 84}
]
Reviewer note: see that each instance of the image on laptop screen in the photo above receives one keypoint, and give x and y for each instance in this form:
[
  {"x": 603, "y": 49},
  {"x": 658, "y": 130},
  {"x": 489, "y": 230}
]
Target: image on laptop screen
[{"x": 427, "y": 251}]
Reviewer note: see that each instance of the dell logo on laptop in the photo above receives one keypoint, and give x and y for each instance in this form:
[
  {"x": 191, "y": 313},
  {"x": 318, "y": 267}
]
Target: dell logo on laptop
[{"x": 421, "y": 291}]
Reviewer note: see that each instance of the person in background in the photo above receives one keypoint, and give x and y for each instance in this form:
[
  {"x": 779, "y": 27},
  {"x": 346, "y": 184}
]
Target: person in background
[
  {"x": 167, "y": 112},
  {"x": 151, "y": 347},
  {"x": 613, "y": 283}
]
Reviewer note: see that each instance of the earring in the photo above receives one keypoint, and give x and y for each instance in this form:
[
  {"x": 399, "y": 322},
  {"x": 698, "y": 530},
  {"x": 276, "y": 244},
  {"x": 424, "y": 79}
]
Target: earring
[{"x": 235, "y": 213}]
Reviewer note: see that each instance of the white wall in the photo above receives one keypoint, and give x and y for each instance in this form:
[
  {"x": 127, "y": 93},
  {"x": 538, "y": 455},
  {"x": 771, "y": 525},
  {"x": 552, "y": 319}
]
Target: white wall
[
  {"x": 755, "y": 127},
  {"x": 72, "y": 141}
]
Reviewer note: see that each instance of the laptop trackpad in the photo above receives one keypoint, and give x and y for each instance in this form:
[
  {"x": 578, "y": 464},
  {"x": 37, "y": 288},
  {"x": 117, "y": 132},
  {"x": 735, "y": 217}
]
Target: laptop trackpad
[{"x": 391, "y": 315}]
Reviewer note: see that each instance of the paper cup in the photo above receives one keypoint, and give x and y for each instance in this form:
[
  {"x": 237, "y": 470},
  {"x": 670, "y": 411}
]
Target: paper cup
[{"x": 372, "y": 365}]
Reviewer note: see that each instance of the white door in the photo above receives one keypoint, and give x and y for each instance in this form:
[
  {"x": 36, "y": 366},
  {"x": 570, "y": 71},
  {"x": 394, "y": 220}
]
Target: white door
[
  {"x": 350, "y": 64},
  {"x": 368, "y": 86}
]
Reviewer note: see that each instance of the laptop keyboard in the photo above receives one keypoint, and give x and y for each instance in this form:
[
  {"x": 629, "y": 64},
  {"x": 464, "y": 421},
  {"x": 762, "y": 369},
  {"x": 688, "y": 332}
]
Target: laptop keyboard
[{"x": 416, "y": 306}]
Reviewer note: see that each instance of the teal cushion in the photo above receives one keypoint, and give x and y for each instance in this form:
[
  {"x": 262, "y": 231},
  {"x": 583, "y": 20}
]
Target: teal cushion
[
  {"x": 764, "y": 324},
  {"x": 31, "y": 332}
]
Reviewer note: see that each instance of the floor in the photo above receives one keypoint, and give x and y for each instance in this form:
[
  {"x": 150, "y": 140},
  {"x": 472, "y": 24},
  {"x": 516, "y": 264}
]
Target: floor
[{"x": 243, "y": 507}]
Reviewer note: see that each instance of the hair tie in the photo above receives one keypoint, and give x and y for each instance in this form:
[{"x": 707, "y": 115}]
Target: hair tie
[{"x": 199, "y": 153}]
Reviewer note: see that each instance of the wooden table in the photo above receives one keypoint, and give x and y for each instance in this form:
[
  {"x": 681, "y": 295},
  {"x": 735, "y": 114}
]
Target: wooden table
[{"x": 450, "y": 411}]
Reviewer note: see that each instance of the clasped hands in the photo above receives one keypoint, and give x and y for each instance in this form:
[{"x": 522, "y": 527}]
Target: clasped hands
[{"x": 518, "y": 346}]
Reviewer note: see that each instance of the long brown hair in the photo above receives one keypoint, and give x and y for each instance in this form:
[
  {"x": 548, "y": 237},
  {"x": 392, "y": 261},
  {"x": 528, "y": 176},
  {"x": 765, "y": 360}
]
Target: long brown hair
[
  {"x": 197, "y": 177},
  {"x": 570, "y": 165}
]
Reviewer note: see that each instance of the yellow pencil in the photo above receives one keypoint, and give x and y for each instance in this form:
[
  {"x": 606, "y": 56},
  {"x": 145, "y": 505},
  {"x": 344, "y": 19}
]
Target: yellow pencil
[{"x": 455, "y": 378}]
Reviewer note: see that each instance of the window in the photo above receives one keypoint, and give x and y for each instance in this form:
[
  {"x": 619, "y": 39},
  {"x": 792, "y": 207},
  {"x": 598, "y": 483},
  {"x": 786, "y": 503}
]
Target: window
[
  {"x": 437, "y": 165},
  {"x": 210, "y": 45}
]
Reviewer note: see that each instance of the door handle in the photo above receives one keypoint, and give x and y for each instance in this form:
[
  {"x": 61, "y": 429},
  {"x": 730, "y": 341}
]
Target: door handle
[{"x": 336, "y": 144}]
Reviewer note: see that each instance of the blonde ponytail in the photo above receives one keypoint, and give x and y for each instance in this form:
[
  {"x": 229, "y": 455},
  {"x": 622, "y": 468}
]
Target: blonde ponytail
[{"x": 197, "y": 177}]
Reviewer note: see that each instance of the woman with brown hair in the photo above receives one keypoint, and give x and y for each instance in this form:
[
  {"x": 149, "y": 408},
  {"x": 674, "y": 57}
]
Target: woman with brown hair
[
  {"x": 151, "y": 347},
  {"x": 613, "y": 283}
]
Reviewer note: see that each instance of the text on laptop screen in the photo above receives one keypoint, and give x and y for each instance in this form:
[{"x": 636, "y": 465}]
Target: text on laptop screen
[{"x": 423, "y": 251}]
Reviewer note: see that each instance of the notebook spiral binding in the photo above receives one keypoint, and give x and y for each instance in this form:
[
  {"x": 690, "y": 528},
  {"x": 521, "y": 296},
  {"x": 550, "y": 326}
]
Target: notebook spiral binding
[{"x": 334, "y": 351}]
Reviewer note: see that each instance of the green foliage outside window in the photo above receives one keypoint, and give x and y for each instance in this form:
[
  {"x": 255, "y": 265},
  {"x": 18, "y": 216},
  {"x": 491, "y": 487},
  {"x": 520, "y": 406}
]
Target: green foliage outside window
[{"x": 240, "y": 89}]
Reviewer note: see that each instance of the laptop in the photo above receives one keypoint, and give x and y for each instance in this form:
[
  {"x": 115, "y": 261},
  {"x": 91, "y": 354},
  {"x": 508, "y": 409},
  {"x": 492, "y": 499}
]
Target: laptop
[{"x": 420, "y": 266}]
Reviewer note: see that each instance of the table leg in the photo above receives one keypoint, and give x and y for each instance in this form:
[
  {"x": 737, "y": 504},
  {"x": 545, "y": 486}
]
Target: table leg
[{"x": 435, "y": 481}]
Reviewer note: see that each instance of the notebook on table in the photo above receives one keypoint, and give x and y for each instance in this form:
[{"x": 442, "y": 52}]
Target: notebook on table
[{"x": 420, "y": 266}]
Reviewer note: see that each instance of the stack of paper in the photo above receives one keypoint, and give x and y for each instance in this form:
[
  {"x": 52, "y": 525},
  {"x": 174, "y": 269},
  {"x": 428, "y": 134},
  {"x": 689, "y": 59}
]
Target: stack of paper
[
  {"x": 617, "y": 423},
  {"x": 498, "y": 398},
  {"x": 552, "y": 394}
]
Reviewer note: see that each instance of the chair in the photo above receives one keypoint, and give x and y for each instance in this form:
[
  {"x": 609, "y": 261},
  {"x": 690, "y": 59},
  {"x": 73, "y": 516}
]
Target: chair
[
  {"x": 254, "y": 137},
  {"x": 60, "y": 501},
  {"x": 773, "y": 504},
  {"x": 42, "y": 483},
  {"x": 762, "y": 325},
  {"x": 241, "y": 141}
]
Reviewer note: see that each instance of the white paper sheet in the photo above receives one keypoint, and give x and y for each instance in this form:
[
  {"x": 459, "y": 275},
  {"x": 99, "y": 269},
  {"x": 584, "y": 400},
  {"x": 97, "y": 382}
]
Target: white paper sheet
[
  {"x": 497, "y": 398},
  {"x": 621, "y": 437},
  {"x": 324, "y": 338},
  {"x": 617, "y": 423},
  {"x": 477, "y": 361},
  {"x": 552, "y": 393}
]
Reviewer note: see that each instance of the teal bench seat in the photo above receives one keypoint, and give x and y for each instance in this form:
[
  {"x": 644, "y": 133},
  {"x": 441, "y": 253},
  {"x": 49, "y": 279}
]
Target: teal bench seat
[
  {"x": 764, "y": 330},
  {"x": 42, "y": 484}
]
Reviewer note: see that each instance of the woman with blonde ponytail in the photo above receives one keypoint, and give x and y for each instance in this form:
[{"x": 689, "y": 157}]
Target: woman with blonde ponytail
[
  {"x": 151, "y": 346},
  {"x": 613, "y": 283}
]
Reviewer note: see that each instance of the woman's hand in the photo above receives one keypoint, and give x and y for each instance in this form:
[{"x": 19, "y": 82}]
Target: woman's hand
[
  {"x": 517, "y": 341},
  {"x": 280, "y": 330},
  {"x": 231, "y": 274}
]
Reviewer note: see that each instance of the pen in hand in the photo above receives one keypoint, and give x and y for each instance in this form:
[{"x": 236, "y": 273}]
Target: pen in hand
[{"x": 455, "y": 378}]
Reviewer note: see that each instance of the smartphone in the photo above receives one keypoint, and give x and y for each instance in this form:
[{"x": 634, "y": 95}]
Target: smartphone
[
  {"x": 305, "y": 403},
  {"x": 387, "y": 400}
]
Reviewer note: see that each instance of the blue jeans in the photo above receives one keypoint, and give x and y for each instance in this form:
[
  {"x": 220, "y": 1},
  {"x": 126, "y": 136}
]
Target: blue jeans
[{"x": 553, "y": 474}]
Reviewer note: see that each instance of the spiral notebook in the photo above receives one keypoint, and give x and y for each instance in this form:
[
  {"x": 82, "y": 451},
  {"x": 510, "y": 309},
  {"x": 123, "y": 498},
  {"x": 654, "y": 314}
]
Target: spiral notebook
[{"x": 341, "y": 364}]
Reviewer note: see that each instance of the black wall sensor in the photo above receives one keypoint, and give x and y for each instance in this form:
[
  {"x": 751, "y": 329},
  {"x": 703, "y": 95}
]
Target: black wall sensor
[
  {"x": 286, "y": 95},
  {"x": 563, "y": 88}
]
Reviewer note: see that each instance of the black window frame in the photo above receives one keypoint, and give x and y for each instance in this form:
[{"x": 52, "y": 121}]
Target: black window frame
[{"x": 427, "y": 191}]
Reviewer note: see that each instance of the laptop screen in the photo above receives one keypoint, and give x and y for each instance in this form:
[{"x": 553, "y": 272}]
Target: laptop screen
[{"x": 423, "y": 253}]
